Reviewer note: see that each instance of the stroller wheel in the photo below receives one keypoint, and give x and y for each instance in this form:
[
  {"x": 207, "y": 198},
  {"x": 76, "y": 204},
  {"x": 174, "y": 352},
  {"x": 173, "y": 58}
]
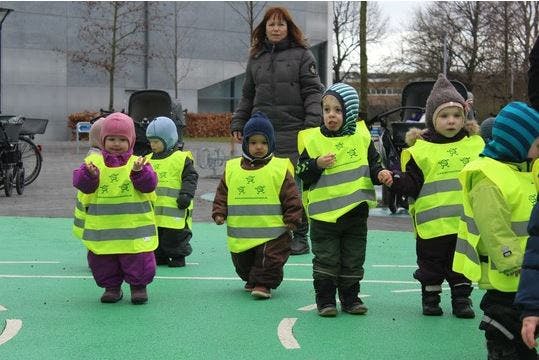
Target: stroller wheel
[
  {"x": 8, "y": 182},
  {"x": 19, "y": 180}
]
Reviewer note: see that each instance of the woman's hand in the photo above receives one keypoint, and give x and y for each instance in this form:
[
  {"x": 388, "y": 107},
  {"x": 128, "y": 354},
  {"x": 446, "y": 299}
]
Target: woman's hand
[
  {"x": 529, "y": 324},
  {"x": 237, "y": 136},
  {"x": 386, "y": 177}
]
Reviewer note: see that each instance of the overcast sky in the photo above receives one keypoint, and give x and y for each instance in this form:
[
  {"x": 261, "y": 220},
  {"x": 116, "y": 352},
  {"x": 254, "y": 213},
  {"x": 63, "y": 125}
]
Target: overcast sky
[{"x": 399, "y": 13}]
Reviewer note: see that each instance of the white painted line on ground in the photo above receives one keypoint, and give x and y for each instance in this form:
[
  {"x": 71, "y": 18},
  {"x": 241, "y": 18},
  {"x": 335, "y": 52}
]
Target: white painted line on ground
[
  {"x": 29, "y": 262},
  {"x": 192, "y": 264},
  {"x": 2, "y": 308},
  {"x": 14, "y": 276},
  {"x": 284, "y": 332},
  {"x": 297, "y": 264},
  {"x": 12, "y": 328},
  {"x": 395, "y": 266},
  {"x": 414, "y": 290}
]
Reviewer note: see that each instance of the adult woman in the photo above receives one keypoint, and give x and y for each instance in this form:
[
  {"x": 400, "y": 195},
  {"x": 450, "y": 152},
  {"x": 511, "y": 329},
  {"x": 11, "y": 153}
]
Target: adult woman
[{"x": 282, "y": 82}]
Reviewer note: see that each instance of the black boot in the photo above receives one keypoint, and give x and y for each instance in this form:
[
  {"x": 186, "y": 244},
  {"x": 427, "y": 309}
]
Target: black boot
[
  {"x": 300, "y": 242},
  {"x": 462, "y": 308},
  {"x": 461, "y": 302},
  {"x": 430, "y": 298},
  {"x": 325, "y": 297},
  {"x": 350, "y": 301}
]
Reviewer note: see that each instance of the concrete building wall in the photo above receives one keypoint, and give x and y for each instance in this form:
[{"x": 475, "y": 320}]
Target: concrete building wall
[{"x": 39, "y": 80}]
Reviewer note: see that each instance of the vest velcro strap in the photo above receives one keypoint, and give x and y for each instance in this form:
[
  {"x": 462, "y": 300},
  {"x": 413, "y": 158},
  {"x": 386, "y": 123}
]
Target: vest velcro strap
[
  {"x": 255, "y": 209},
  {"x": 256, "y": 232},
  {"x": 438, "y": 213},
  {"x": 436, "y": 187},
  {"x": 463, "y": 247},
  {"x": 169, "y": 211},
  {"x": 167, "y": 191},
  {"x": 120, "y": 234},
  {"x": 341, "y": 202},
  {"x": 342, "y": 177},
  {"x": 119, "y": 209}
]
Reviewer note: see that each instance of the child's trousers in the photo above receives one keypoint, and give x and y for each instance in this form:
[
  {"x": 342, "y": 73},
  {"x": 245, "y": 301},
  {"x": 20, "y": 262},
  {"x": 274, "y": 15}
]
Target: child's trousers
[
  {"x": 173, "y": 242},
  {"x": 263, "y": 264},
  {"x": 110, "y": 271}
]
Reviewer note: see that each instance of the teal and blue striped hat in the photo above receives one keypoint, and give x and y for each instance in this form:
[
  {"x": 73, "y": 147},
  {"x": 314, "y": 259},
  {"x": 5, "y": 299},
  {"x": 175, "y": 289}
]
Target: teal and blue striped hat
[
  {"x": 349, "y": 100},
  {"x": 514, "y": 130}
]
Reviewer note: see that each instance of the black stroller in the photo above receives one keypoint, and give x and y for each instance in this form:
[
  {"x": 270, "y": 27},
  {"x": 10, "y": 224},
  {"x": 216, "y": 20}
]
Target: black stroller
[
  {"x": 11, "y": 166},
  {"x": 146, "y": 105},
  {"x": 395, "y": 123}
]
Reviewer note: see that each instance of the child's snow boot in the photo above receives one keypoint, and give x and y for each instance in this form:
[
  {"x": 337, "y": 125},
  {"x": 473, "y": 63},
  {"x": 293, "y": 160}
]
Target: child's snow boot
[
  {"x": 462, "y": 308},
  {"x": 112, "y": 295},
  {"x": 325, "y": 297},
  {"x": 138, "y": 294},
  {"x": 430, "y": 296},
  {"x": 350, "y": 301}
]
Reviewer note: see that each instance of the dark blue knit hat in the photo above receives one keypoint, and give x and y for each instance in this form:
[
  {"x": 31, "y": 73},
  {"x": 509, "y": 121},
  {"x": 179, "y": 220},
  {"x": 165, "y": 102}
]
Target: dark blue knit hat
[
  {"x": 349, "y": 100},
  {"x": 513, "y": 133},
  {"x": 258, "y": 124}
]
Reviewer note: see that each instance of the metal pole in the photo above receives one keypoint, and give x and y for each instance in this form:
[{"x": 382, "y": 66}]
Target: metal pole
[
  {"x": 3, "y": 15},
  {"x": 146, "y": 45}
]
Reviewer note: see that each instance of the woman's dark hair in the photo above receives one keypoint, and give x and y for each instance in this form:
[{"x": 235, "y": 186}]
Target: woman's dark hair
[{"x": 259, "y": 33}]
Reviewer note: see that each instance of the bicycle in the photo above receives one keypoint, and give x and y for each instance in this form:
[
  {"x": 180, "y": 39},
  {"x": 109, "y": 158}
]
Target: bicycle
[{"x": 11, "y": 166}]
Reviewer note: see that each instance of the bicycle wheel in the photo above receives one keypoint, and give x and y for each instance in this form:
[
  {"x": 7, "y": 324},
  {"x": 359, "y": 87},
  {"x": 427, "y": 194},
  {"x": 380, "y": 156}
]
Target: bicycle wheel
[{"x": 31, "y": 159}]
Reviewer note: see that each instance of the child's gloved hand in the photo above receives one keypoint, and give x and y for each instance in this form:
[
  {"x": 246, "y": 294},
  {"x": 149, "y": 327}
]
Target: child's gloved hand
[
  {"x": 219, "y": 220},
  {"x": 92, "y": 169},
  {"x": 139, "y": 163},
  {"x": 183, "y": 201},
  {"x": 386, "y": 177}
]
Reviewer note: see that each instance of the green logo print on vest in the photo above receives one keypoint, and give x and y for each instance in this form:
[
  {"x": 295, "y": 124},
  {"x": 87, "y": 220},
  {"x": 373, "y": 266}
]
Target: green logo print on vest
[
  {"x": 260, "y": 189},
  {"x": 533, "y": 199},
  {"x": 452, "y": 151},
  {"x": 444, "y": 163},
  {"x": 465, "y": 160},
  {"x": 113, "y": 178}
]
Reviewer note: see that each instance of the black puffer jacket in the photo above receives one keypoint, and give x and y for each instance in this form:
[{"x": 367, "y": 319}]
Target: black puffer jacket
[
  {"x": 282, "y": 82},
  {"x": 533, "y": 73}
]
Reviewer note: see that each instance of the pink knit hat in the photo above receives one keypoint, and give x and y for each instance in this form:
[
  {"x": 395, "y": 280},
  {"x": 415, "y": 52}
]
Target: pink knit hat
[
  {"x": 118, "y": 124},
  {"x": 94, "y": 136}
]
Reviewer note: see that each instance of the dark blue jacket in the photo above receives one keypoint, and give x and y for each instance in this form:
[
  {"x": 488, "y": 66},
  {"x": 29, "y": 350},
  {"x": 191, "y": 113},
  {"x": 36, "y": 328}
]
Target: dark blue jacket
[{"x": 528, "y": 290}]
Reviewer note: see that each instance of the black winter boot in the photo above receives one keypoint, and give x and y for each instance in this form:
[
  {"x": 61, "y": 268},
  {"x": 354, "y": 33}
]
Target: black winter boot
[
  {"x": 325, "y": 297},
  {"x": 300, "y": 242},
  {"x": 350, "y": 301},
  {"x": 430, "y": 298},
  {"x": 462, "y": 308},
  {"x": 461, "y": 302}
]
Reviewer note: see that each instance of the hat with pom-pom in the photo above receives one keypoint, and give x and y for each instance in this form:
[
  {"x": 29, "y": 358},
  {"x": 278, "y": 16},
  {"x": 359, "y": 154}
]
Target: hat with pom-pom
[
  {"x": 118, "y": 124},
  {"x": 163, "y": 129}
]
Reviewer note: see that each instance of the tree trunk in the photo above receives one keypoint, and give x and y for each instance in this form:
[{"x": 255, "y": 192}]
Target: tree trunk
[{"x": 364, "y": 103}]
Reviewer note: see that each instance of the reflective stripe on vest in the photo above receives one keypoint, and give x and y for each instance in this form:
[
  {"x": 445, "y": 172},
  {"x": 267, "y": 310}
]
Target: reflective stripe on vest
[
  {"x": 81, "y": 202},
  {"x": 169, "y": 174},
  {"x": 119, "y": 219},
  {"x": 438, "y": 207},
  {"x": 517, "y": 189},
  {"x": 254, "y": 208},
  {"x": 347, "y": 183}
]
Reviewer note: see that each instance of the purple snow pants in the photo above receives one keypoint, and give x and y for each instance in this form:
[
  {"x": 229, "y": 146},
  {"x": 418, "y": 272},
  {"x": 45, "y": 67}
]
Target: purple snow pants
[{"x": 110, "y": 271}]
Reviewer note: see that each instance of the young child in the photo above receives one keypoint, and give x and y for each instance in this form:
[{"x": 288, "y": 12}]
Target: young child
[
  {"x": 431, "y": 166},
  {"x": 259, "y": 200},
  {"x": 177, "y": 183},
  {"x": 499, "y": 194},
  {"x": 339, "y": 165},
  {"x": 119, "y": 228}
]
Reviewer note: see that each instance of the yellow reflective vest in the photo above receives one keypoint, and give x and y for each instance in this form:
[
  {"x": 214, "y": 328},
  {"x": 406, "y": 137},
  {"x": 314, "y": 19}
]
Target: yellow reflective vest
[
  {"x": 438, "y": 207},
  {"x": 169, "y": 175},
  {"x": 254, "y": 209},
  {"x": 347, "y": 183},
  {"x": 519, "y": 192},
  {"x": 81, "y": 202},
  {"x": 119, "y": 218}
]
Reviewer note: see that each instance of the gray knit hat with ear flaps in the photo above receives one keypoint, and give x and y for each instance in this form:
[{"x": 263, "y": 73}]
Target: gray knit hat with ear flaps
[
  {"x": 349, "y": 100},
  {"x": 442, "y": 92}
]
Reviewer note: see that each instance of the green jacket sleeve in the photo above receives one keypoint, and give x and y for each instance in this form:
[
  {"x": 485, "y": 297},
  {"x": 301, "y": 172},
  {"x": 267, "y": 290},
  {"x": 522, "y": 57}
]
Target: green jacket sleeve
[{"x": 494, "y": 224}]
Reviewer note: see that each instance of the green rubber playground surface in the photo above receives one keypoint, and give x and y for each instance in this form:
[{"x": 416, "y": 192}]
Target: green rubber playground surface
[{"x": 50, "y": 309}]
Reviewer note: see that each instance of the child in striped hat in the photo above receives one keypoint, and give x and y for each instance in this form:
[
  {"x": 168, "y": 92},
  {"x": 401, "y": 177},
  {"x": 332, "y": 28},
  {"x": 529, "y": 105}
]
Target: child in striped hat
[{"x": 339, "y": 166}]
